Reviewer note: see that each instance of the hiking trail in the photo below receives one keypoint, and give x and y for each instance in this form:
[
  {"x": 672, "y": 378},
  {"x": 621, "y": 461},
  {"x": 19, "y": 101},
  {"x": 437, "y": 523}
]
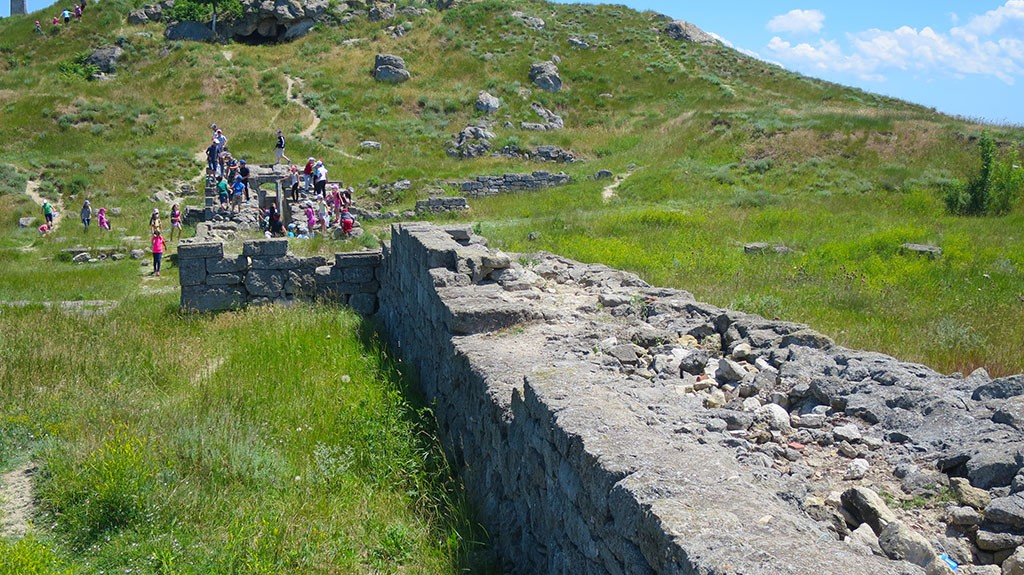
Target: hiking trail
[
  {"x": 32, "y": 191},
  {"x": 611, "y": 190},
  {"x": 16, "y": 504},
  {"x": 315, "y": 122}
]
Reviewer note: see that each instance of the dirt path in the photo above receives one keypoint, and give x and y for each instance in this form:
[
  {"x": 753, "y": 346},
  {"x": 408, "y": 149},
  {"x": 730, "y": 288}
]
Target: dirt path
[
  {"x": 315, "y": 122},
  {"x": 32, "y": 191},
  {"x": 16, "y": 504},
  {"x": 611, "y": 190}
]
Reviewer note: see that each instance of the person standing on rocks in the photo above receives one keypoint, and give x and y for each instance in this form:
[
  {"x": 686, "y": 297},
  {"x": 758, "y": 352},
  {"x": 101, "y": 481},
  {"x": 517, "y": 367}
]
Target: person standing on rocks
[
  {"x": 292, "y": 181},
  {"x": 212, "y": 163},
  {"x": 279, "y": 150},
  {"x": 86, "y": 215},
  {"x": 222, "y": 192},
  {"x": 320, "y": 186},
  {"x": 158, "y": 251},
  {"x": 243, "y": 172},
  {"x": 308, "y": 175},
  {"x": 237, "y": 192}
]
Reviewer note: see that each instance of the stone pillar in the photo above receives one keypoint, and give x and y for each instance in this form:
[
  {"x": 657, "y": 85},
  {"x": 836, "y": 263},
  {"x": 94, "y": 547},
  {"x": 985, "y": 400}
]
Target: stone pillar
[{"x": 18, "y": 7}]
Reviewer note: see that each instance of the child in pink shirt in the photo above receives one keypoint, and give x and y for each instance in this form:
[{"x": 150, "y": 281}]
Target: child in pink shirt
[
  {"x": 158, "y": 251},
  {"x": 101, "y": 216}
]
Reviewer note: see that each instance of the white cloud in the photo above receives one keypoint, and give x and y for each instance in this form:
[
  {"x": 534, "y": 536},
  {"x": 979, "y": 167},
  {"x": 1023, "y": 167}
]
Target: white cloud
[
  {"x": 798, "y": 22},
  {"x": 987, "y": 45}
]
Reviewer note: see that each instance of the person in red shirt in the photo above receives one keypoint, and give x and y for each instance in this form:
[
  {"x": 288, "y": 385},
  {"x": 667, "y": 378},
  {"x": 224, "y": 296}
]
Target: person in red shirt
[
  {"x": 308, "y": 173},
  {"x": 158, "y": 251}
]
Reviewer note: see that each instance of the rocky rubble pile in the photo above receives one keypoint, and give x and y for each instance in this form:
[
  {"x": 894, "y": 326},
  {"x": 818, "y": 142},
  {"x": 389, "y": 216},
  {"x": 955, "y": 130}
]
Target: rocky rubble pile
[{"x": 834, "y": 432}]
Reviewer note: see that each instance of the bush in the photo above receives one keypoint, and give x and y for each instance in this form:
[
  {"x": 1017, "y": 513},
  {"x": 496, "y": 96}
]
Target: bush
[{"x": 993, "y": 191}]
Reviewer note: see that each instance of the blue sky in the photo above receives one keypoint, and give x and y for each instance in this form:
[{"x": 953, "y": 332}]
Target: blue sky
[{"x": 963, "y": 57}]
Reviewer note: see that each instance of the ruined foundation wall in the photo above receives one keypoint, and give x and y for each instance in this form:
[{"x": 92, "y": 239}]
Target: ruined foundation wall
[{"x": 602, "y": 425}]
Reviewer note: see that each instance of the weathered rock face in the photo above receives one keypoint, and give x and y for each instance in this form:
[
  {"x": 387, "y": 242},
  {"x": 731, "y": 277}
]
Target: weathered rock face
[
  {"x": 545, "y": 76},
  {"x": 687, "y": 32},
  {"x": 275, "y": 20},
  {"x": 390, "y": 69}
]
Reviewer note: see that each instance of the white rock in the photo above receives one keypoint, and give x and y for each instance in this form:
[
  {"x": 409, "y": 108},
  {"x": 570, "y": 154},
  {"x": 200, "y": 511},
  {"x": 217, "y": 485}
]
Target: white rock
[
  {"x": 847, "y": 433},
  {"x": 857, "y": 469},
  {"x": 775, "y": 416},
  {"x": 751, "y": 404}
]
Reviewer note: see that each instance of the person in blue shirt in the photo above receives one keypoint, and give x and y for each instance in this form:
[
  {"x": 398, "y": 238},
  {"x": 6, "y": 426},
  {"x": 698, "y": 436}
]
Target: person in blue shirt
[{"x": 238, "y": 191}]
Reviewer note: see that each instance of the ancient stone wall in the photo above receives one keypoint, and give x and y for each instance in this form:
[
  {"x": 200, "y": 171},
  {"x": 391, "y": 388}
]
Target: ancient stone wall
[
  {"x": 265, "y": 273},
  {"x": 602, "y": 425},
  {"x": 493, "y": 185}
]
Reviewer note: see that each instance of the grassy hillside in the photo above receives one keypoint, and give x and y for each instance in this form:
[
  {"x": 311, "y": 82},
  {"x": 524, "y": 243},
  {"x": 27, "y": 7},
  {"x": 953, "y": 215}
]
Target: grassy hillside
[
  {"x": 727, "y": 150},
  {"x": 711, "y": 150}
]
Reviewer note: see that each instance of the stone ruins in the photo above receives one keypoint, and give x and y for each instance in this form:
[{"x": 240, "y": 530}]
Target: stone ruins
[{"x": 602, "y": 425}]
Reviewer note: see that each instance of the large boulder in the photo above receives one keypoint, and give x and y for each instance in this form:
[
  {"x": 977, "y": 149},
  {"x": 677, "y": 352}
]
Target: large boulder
[
  {"x": 105, "y": 58},
  {"x": 686, "y": 32},
  {"x": 487, "y": 103},
  {"x": 190, "y": 31},
  {"x": 390, "y": 68},
  {"x": 545, "y": 76}
]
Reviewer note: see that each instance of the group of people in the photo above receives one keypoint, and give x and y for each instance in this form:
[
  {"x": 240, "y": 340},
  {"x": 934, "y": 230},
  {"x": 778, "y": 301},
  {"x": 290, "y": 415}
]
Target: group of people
[
  {"x": 232, "y": 185},
  {"x": 75, "y": 10}
]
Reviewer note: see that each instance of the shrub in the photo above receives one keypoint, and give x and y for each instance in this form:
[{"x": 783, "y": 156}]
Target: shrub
[{"x": 992, "y": 191}]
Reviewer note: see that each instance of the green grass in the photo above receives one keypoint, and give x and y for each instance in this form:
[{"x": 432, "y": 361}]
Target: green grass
[{"x": 266, "y": 441}]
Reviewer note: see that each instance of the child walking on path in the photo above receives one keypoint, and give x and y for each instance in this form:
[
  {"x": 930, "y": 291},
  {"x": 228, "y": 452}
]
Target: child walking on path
[
  {"x": 175, "y": 221},
  {"x": 86, "y": 215},
  {"x": 158, "y": 251},
  {"x": 154, "y": 220}
]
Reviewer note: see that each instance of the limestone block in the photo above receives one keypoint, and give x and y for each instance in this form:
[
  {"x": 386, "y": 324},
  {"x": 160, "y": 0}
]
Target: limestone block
[
  {"x": 276, "y": 247},
  {"x": 203, "y": 298},
  {"x": 363, "y": 303},
  {"x": 227, "y": 265},
  {"x": 285, "y": 262},
  {"x": 357, "y": 259},
  {"x": 265, "y": 283},
  {"x": 202, "y": 250},
  {"x": 191, "y": 271},
  {"x": 358, "y": 275},
  {"x": 223, "y": 279}
]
